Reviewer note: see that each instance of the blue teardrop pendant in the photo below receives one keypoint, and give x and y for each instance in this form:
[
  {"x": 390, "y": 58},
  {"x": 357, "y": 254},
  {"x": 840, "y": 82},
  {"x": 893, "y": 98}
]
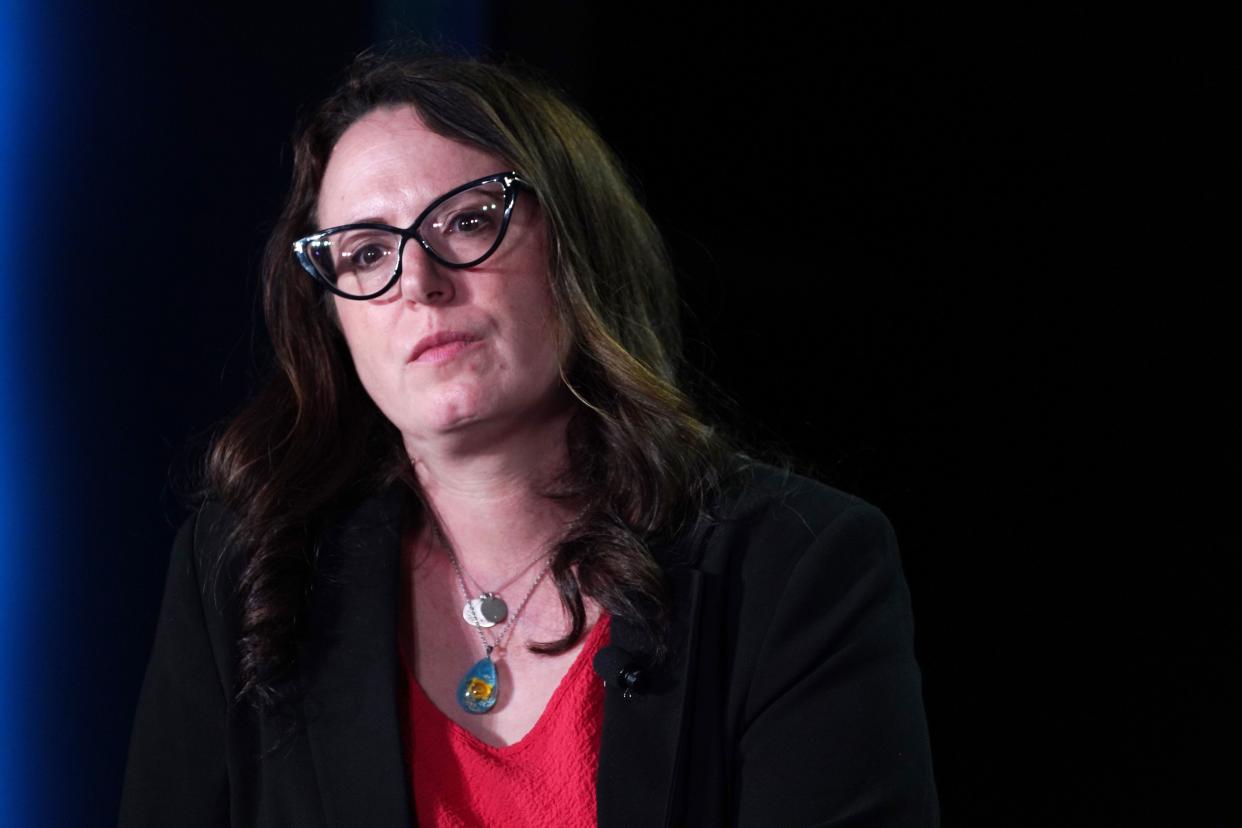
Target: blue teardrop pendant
[{"x": 477, "y": 692}]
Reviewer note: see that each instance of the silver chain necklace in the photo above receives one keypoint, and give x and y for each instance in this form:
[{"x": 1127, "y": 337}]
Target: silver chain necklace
[
  {"x": 488, "y": 609},
  {"x": 479, "y": 688}
]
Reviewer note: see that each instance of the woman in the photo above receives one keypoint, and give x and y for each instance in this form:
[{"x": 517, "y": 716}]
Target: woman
[{"x": 472, "y": 478}]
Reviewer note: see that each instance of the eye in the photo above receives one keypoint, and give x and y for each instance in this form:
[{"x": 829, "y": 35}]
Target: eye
[
  {"x": 367, "y": 254},
  {"x": 468, "y": 222}
]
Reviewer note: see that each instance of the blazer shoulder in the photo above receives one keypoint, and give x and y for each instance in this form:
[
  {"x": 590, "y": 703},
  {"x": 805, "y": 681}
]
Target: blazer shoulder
[
  {"x": 763, "y": 493},
  {"x": 205, "y": 547},
  {"x": 771, "y": 517},
  {"x": 200, "y": 591}
]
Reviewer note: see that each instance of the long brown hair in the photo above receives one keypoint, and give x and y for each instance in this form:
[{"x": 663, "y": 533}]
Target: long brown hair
[{"x": 312, "y": 441}]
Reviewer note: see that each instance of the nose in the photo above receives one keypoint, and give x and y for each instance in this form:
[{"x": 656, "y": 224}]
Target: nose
[{"x": 423, "y": 279}]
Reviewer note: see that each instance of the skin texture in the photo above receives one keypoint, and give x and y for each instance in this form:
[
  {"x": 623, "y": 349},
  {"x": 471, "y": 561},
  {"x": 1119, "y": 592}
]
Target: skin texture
[{"x": 484, "y": 429}]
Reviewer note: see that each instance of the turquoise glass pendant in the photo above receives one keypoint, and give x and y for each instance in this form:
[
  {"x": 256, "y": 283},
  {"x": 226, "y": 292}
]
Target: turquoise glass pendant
[{"x": 477, "y": 692}]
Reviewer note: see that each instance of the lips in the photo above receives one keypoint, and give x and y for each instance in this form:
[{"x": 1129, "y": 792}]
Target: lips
[{"x": 439, "y": 339}]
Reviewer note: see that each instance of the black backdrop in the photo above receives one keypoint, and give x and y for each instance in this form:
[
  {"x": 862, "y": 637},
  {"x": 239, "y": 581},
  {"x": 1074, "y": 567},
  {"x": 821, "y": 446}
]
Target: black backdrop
[{"x": 896, "y": 259}]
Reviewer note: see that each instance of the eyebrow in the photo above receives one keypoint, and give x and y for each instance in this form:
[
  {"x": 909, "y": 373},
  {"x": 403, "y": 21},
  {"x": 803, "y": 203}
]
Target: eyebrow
[{"x": 371, "y": 220}]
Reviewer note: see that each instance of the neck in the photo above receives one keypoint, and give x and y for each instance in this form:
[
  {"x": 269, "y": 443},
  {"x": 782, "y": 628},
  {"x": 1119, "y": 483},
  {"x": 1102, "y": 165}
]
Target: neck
[{"x": 490, "y": 504}]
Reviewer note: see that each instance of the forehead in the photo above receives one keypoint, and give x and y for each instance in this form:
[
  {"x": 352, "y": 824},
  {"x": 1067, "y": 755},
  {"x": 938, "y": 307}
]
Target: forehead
[{"x": 389, "y": 165}]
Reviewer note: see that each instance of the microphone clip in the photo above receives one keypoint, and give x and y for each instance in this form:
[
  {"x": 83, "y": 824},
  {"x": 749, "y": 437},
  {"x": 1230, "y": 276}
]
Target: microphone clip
[
  {"x": 622, "y": 669},
  {"x": 627, "y": 679}
]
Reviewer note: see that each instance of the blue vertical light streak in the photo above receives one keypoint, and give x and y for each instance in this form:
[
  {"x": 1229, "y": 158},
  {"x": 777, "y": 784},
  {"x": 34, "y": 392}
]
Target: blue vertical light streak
[
  {"x": 20, "y": 486},
  {"x": 12, "y": 576}
]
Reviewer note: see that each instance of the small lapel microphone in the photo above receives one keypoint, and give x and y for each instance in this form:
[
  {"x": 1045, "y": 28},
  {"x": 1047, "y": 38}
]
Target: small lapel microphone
[{"x": 619, "y": 667}]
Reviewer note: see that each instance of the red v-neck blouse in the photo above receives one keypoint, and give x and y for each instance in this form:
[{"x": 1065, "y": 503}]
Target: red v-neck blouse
[{"x": 545, "y": 778}]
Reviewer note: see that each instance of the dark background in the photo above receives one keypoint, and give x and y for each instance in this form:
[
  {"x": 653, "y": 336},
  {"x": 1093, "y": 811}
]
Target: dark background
[{"x": 918, "y": 251}]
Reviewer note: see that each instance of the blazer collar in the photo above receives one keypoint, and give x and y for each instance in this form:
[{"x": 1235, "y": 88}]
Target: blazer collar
[
  {"x": 641, "y": 748},
  {"x": 349, "y": 670}
]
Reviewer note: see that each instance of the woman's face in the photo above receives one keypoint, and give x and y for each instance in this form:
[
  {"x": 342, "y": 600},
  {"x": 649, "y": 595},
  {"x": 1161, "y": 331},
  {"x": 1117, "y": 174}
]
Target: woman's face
[{"x": 503, "y": 372}]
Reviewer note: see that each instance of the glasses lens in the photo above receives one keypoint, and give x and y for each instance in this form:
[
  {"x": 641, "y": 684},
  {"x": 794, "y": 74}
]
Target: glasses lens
[
  {"x": 465, "y": 227},
  {"x": 356, "y": 262}
]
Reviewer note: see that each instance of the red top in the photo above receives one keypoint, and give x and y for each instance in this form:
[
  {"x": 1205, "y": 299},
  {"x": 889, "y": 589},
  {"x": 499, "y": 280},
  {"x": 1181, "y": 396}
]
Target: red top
[{"x": 545, "y": 778}]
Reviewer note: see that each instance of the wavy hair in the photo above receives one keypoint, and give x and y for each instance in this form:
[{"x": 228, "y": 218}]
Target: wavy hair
[{"x": 311, "y": 441}]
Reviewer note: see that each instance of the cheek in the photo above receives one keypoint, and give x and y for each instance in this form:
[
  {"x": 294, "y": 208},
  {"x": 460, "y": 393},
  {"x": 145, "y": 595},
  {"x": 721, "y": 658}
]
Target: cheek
[
  {"x": 537, "y": 325},
  {"x": 365, "y": 340}
]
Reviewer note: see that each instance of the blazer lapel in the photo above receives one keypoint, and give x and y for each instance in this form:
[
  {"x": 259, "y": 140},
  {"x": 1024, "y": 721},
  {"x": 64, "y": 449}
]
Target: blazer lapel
[
  {"x": 643, "y": 737},
  {"x": 348, "y": 671}
]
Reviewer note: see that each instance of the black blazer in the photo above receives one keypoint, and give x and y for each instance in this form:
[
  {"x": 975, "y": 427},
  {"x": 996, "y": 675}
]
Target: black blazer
[{"x": 792, "y": 696}]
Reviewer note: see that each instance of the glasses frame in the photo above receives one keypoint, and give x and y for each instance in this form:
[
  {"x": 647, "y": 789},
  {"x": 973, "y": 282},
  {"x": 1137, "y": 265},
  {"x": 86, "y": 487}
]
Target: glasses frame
[{"x": 510, "y": 181}]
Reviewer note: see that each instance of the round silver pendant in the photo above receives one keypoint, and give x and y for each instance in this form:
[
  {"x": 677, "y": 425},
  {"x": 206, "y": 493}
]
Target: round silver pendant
[
  {"x": 473, "y": 614},
  {"x": 493, "y": 608}
]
